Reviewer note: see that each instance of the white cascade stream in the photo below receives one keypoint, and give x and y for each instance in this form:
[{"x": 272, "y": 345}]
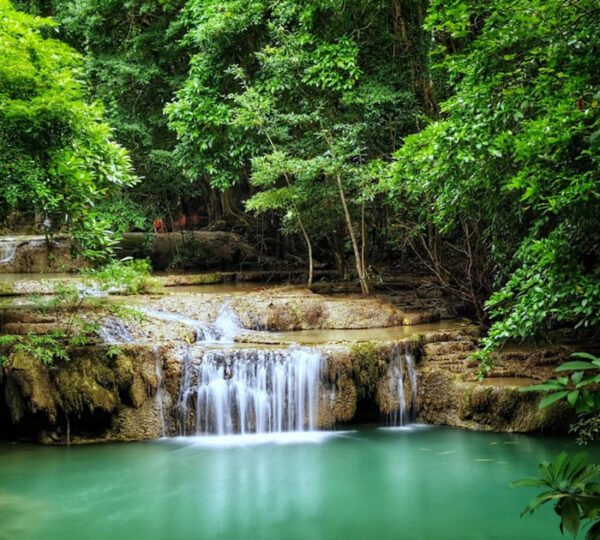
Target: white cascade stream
[
  {"x": 226, "y": 326},
  {"x": 402, "y": 365},
  {"x": 8, "y": 250},
  {"x": 250, "y": 391}
]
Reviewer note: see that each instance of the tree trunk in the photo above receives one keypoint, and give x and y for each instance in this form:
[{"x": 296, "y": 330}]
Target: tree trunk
[{"x": 364, "y": 286}]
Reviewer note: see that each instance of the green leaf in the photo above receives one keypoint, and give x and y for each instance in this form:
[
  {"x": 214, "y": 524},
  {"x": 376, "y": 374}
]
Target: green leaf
[
  {"x": 590, "y": 357},
  {"x": 572, "y": 397},
  {"x": 570, "y": 516},
  {"x": 549, "y": 400},
  {"x": 570, "y": 366},
  {"x": 576, "y": 465},
  {"x": 527, "y": 482}
]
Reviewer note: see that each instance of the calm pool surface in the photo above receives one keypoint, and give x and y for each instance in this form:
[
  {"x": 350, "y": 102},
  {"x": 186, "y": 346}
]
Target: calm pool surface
[{"x": 423, "y": 483}]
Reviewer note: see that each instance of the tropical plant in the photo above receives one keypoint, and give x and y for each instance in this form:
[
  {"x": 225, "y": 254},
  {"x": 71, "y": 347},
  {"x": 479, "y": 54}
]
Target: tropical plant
[
  {"x": 573, "y": 486},
  {"x": 572, "y": 483},
  {"x": 581, "y": 389},
  {"x": 57, "y": 156}
]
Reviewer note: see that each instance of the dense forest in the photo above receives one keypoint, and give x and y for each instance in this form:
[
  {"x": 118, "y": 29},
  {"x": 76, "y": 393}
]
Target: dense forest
[{"x": 460, "y": 137}]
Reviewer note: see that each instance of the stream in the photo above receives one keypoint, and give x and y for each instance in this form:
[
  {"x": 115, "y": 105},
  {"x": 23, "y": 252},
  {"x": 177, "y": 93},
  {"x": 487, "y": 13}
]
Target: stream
[{"x": 245, "y": 457}]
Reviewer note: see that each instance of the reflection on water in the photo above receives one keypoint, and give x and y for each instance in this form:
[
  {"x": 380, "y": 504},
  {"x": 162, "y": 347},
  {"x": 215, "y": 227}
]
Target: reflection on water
[
  {"x": 307, "y": 337},
  {"x": 419, "y": 483}
]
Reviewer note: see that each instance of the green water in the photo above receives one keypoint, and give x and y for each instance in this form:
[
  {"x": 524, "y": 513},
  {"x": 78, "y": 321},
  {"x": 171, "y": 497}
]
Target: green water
[{"x": 428, "y": 483}]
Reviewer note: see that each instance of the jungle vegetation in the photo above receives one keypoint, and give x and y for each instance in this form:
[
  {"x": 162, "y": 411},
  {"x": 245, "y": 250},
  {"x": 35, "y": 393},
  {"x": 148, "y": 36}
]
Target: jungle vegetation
[{"x": 460, "y": 137}]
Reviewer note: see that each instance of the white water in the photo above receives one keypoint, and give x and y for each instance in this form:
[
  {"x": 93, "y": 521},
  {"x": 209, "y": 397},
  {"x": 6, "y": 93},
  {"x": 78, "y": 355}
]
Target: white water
[
  {"x": 113, "y": 332},
  {"x": 226, "y": 326},
  {"x": 396, "y": 373},
  {"x": 255, "y": 439},
  {"x": 250, "y": 391},
  {"x": 8, "y": 251}
]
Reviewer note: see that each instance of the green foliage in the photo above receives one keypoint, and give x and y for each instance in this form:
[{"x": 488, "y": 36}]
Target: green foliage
[
  {"x": 581, "y": 389},
  {"x": 515, "y": 156},
  {"x": 587, "y": 429},
  {"x": 56, "y": 152},
  {"x": 70, "y": 300},
  {"x": 290, "y": 95},
  {"x": 128, "y": 276},
  {"x": 573, "y": 486},
  {"x": 134, "y": 60}
]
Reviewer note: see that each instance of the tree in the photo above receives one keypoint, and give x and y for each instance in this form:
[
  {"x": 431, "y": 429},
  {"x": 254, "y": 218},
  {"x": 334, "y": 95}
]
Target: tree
[
  {"x": 510, "y": 173},
  {"x": 56, "y": 152},
  {"x": 300, "y": 99},
  {"x": 134, "y": 61}
]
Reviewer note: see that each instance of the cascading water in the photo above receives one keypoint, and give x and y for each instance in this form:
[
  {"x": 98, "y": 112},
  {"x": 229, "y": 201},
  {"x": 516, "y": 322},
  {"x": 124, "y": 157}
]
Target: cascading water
[
  {"x": 8, "y": 250},
  {"x": 250, "y": 391},
  {"x": 226, "y": 326},
  {"x": 113, "y": 332},
  {"x": 396, "y": 374}
]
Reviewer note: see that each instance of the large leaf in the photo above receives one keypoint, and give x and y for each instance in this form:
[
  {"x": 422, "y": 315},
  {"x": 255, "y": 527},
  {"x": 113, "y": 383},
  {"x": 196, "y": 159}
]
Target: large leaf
[
  {"x": 576, "y": 465},
  {"x": 559, "y": 465},
  {"x": 553, "y": 398},
  {"x": 576, "y": 365},
  {"x": 587, "y": 356},
  {"x": 527, "y": 482},
  {"x": 570, "y": 516},
  {"x": 541, "y": 499}
]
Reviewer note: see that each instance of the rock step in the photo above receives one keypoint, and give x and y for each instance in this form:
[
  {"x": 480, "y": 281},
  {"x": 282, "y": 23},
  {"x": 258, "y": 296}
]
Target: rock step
[
  {"x": 419, "y": 317},
  {"x": 442, "y": 348},
  {"x": 26, "y": 316},
  {"x": 39, "y": 329}
]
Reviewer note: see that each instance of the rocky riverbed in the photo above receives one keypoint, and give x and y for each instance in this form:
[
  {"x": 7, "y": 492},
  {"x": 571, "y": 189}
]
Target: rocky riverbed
[{"x": 146, "y": 376}]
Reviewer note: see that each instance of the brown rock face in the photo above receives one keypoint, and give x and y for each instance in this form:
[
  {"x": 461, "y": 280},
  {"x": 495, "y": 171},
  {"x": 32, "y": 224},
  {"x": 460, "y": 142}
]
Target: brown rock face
[
  {"x": 95, "y": 397},
  {"x": 133, "y": 391},
  {"x": 33, "y": 254},
  {"x": 215, "y": 249}
]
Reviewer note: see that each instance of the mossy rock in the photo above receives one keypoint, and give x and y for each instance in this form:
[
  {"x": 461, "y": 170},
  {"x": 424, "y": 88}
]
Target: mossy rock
[
  {"x": 369, "y": 363},
  {"x": 206, "y": 279},
  {"x": 6, "y": 289}
]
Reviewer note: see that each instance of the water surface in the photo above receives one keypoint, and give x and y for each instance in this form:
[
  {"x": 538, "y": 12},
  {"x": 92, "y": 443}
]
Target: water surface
[{"x": 422, "y": 483}]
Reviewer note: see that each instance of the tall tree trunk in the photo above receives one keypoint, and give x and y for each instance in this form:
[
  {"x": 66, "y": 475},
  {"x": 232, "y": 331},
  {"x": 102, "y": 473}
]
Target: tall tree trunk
[{"x": 364, "y": 286}]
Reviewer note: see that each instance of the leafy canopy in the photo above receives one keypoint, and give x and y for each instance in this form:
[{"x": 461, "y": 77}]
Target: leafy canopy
[
  {"x": 515, "y": 155},
  {"x": 56, "y": 152}
]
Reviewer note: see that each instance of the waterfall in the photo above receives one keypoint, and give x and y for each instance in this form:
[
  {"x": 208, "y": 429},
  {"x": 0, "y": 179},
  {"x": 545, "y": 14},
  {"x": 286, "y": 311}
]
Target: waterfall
[
  {"x": 113, "y": 332},
  {"x": 8, "y": 251},
  {"x": 250, "y": 391},
  {"x": 396, "y": 376},
  {"x": 159, "y": 398},
  {"x": 226, "y": 326}
]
